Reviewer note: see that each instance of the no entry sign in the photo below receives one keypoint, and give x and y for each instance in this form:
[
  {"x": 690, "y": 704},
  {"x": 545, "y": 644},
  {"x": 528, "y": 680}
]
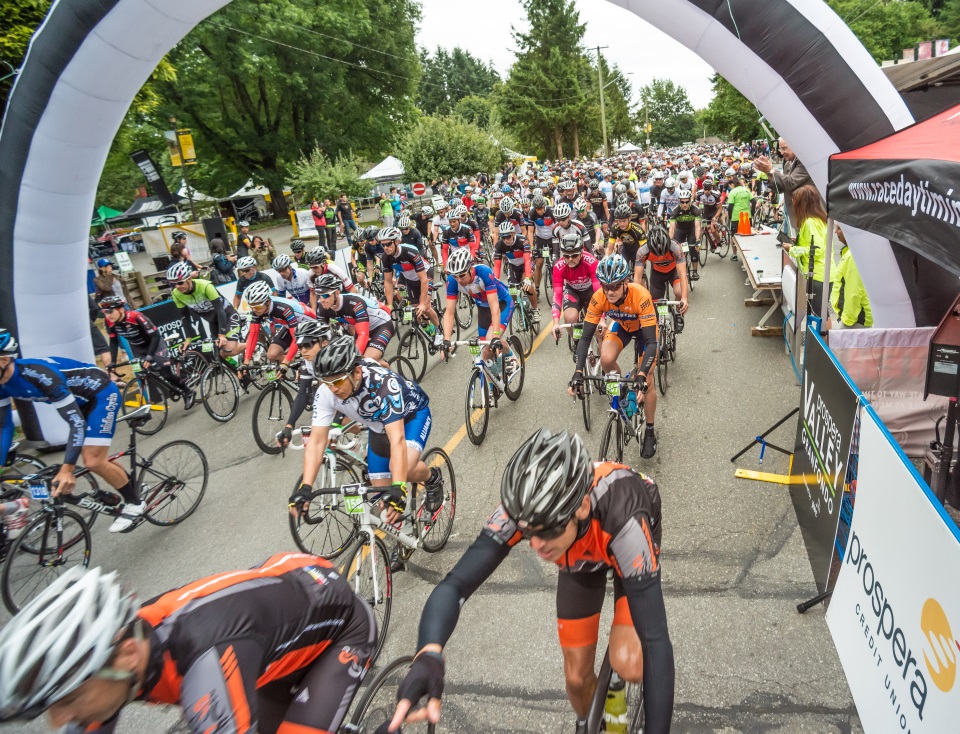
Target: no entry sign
[{"x": 419, "y": 188}]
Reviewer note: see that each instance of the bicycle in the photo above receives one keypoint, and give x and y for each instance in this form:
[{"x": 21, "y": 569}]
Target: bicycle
[
  {"x": 486, "y": 385},
  {"x": 546, "y": 252},
  {"x": 713, "y": 239},
  {"x": 379, "y": 701},
  {"x": 522, "y": 324},
  {"x": 591, "y": 369},
  {"x": 219, "y": 387},
  {"x": 620, "y": 427},
  {"x": 172, "y": 482},
  {"x": 689, "y": 262},
  {"x": 666, "y": 341},
  {"x": 367, "y": 562},
  {"x": 273, "y": 405},
  {"x": 416, "y": 345},
  {"x": 633, "y": 718}
]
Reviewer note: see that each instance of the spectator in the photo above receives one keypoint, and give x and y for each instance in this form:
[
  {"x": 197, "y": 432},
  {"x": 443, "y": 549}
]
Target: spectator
[
  {"x": 179, "y": 253},
  {"x": 793, "y": 177},
  {"x": 108, "y": 284},
  {"x": 386, "y": 211},
  {"x": 848, "y": 297},
  {"x": 263, "y": 252},
  {"x": 738, "y": 199},
  {"x": 396, "y": 202},
  {"x": 100, "y": 347},
  {"x": 319, "y": 217},
  {"x": 346, "y": 219},
  {"x": 221, "y": 267},
  {"x": 243, "y": 239},
  {"x": 330, "y": 231},
  {"x": 812, "y": 233}
]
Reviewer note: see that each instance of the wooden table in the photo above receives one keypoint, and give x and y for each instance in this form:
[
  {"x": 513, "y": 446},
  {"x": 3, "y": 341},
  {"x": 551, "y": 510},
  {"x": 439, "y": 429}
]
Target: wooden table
[{"x": 762, "y": 260}]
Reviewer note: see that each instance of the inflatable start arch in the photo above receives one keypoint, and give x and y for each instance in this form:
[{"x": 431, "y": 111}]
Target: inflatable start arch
[{"x": 796, "y": 60}]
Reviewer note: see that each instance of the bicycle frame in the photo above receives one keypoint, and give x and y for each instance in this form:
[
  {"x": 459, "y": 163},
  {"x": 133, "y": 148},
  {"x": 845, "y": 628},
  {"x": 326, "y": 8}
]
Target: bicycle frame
[{"x": 479, "y": 362}]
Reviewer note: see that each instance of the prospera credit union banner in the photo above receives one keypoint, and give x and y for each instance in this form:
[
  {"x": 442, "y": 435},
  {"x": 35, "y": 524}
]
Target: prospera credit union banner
[{"x": 895, "y": 611}]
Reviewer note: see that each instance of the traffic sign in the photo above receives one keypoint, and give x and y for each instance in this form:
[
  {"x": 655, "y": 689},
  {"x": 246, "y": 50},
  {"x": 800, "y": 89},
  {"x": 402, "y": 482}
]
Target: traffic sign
[{"x": 419, "y": 188}]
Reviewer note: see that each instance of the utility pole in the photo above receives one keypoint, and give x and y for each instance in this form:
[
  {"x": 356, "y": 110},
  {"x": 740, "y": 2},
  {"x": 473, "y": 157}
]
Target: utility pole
[
  {"x": 646, "y": 126},
  {"x": 603, "y": 111}
]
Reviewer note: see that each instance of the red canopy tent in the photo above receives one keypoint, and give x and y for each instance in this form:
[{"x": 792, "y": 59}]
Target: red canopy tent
[{"x": 905, "y": 187}]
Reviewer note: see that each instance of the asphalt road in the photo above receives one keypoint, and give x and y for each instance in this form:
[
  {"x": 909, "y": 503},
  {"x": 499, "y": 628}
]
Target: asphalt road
[{"x": 733, "y": 561}]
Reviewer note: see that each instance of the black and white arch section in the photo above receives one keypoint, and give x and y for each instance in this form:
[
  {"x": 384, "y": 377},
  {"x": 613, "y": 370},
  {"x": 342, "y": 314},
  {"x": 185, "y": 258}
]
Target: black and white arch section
[{"x": 797, "y": 60}]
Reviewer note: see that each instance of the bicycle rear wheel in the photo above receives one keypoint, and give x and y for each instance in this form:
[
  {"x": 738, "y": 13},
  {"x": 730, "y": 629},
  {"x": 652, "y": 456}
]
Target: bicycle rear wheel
[
  {"x": 520, "y": 327},
  {"x": 220, "y": 392},
  {"x": 437, "y": 506},
  {"x": 585, "y": 404},
  {"x": 477, "y": 407},
  {"x": 611, "y": 443},
  {"x": 724, "y": 242},
  {"x": 270, "y": 414},
  {"x": 41, "y": 553},
  {"x": 327, "y": 530},
  {"x": 368, "y": 573},
  {"x": 413, "y": 346},
  {"x": 146, "y": 391},
  {"x": 172, "y": 481},
  {"x": 514, "y": 385},
  {"x": 403, "y": 367}
]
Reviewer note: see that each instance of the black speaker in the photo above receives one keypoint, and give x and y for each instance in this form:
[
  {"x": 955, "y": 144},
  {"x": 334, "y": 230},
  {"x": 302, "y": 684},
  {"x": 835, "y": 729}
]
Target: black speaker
[{"x": 215, "y": 227}]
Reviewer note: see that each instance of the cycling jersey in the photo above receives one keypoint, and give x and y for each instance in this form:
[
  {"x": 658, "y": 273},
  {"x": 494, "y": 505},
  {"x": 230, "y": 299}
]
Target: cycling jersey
[
  {"x": 635, "y": 315},
  {"x": 543, "y": 222},
  {"x": 643, "y": 191},
  {"x": 517, "y": 253},
  {"x": 414, "y": 239},
  {"x": 482, "y": 216},
  {"x": 630, "y": 239},
  {"x": 244, "y": 283},
  {"x": 668, "y": 202},
  {"x": 297, "y": 287},
  {"x": 329, "y": 267},
  {"x": 516, "y": 216},
  {"x": 483, "y": 284},
  {"x": 573, "y": 226},
  {"x": 365, "y": 315},
  {"x": 582, "y": 277},
  {"x": 440, "y": 226},
  {"x": 282, "y": 317},
  {"x": 686, "y": 219},
  {"x": 709, "y": 202},
  {"x": 590, "y": 223},
  {"x": 281, "y": 647},
  {"x": 661, "y": 263},
  {"x": 406, "y": 263},
  {"x": 81, "y": 393},
  {"x": 466, "y": 235},
  {"x": 421, "y": 222},
  {"x": 142, "y": 336},
  {"x": 205, "y": 301},
  {"x": 598, "y": 201}
]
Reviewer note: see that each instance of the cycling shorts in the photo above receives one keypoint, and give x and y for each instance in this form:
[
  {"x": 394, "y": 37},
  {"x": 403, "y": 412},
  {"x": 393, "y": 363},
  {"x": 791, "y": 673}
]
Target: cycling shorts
[
  {"x": 515, "y": 272},
  {"x": 416, "y": 430},
  {"x": 540, "y": 244},
  {"x": 579, "y": 602},
  {"x": 282, "y": 338},
  {"x": 658, "y": 283},
  {"x": 618, "y": 334},
  {"x": 573, "y": 298},
  {"x": 101, "y": 415},
  {"x": 413, "y": 290},
  {"x": 689, "y": 236},
  {"x": 381, "y": 336},
  {"x": 233, "y": 324},
  {"x": 484, "y": 317}
]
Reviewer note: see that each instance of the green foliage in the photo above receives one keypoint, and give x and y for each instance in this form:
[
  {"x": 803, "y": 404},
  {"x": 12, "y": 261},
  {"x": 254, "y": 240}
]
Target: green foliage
[
  {"x": 20, "y": 19},
  {"x": 448, "y": 78},
  {"x": 621, "y": 125},
  {"x": 886, "y": 28},
  {"x": 475, "y": 110},
  {"x": 443, "y": 147},
  {"x": 729, "y": 115},
  {"x": 950, "y": 19},
  {"x": 667, "y": 108},
  {"x": 315, "y": 176}
]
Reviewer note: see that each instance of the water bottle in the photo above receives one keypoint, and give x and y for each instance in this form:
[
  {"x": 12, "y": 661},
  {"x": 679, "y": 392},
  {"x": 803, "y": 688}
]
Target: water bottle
[
  {"x": 430, "y": 328},
  {"x": 491, "y": 365},
  {"x": 631, "y": 403},
  {"x": 615, "y": 709}
]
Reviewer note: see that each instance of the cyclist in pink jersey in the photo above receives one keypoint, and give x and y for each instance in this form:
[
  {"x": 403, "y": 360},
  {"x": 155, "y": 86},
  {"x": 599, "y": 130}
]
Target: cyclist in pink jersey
[{"x": 574, "y": 281}]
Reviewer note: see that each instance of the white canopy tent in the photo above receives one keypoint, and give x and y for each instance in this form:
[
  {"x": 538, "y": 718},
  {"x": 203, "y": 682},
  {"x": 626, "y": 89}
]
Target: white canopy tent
[
  {"x": 249, "y": 189},
  {"x": 197, "y": 196},
  {"x": 389, "y": 169},
  {"x": 628, "y": 148}
]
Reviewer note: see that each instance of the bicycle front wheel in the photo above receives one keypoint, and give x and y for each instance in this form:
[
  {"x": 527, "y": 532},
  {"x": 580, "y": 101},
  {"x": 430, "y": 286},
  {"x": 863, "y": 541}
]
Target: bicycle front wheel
[
  {"x": 368, "y": 573},
  {"x": 663, "y": 366},
  {"x": 172, "y": 481},
  {"x": 41, "y": 554},
  {"x": 220, "y": 392},
  {"x": 704, "y": 248},
  {"x": 514, "y": 384},
  {"x": 477, "y": 407},
  {"x": 144, "y": 391},
  {"x": 724, "y": 242},
  {"x": 437, "y": 505},
  {"x": 413, "y": 346},
  {"x": 270, "y": 414},
  {"x": 379, "y": 701},
  {"x": 585, "y": 404},
  {"x": 326, "y": 530},
  {"x": 403, "y": 367},
  {"x": 611, "y": 444}
]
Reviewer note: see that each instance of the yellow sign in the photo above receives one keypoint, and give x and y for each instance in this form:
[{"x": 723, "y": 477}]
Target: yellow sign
[{"x": 185, "y": 139}]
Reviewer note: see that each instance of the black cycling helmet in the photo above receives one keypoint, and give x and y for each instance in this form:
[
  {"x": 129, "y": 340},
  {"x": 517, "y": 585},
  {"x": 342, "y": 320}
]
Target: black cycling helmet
[
  {"x": 622, "y": 211},
  {"x": 8, "y": 344},
  {"x": 325, "y": 282},
  {"x": 594, "y": 184},
  {"x": 297, "y": 246},
  {"x": 310, "y": 330},
  {"x": 111, "y": 302},
  {"x": 545, "y": 482},
  {"x": 539, "y": 202},
  {"x": 178, "y": 235},
  {"x": 370, "y": 233},
  {"x": 336, "y": 358},
  {"x": 658, "y": 239}
]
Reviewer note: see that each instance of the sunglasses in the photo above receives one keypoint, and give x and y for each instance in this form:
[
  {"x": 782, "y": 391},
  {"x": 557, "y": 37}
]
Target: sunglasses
[
  {"x": 544, "y": 533},
  {"x": 335, "y": 381},
  {"x": 307, "y": 342},
  {"x": 571, "y": 256},
  {"x": 326, "y": 294},
  {"x": 612, "y": 287}
]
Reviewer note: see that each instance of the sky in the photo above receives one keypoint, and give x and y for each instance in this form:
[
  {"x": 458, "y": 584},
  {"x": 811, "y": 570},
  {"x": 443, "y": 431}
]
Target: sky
[{"x": 483, "y": 29}]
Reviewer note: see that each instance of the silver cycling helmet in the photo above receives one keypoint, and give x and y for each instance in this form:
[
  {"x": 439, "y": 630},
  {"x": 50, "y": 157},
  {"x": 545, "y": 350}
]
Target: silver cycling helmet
[
  {"x": 310, "y": 329},
  {"x": 336, "y": 358},
  {"x": 281, "y": 262},
  {"x": 562, "y": 210},
  {"x": 245, "y": 263},
  {"x": 460, "y": 261},
  {"x": 179, "y": 272},
  {"x": 506, "y": 228},
  {"x": 256, "y": 294}
]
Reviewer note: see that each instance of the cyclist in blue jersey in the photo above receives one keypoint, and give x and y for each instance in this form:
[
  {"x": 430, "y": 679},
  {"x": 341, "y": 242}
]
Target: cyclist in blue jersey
[
  {"x": 87, "y": 400},
  {"x": 491, "y": 297}
]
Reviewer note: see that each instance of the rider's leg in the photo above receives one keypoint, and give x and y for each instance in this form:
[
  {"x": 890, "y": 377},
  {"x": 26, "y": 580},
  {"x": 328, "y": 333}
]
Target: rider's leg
[
  {"x": 579, "y": 602},
  {"x": 609, "y": 351},
  {"x": 275, "y": 352},
  {"x": 626, "y": 655},
  {"x": 95, "y": 459}
]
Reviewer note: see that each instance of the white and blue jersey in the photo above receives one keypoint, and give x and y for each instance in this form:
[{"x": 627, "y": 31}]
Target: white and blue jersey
[
  {"x": 483, "y": 284},
  {"x": 297, "y": 287},
  {"x": 82, "y": 393}
]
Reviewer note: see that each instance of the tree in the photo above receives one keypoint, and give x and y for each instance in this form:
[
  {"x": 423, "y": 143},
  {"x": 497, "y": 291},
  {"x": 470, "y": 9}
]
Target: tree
[
  {"x": 668, "y": 109},
  {"x": 447, "y": 78},
  {"x": 475, "y": 110},
  {"x": 950, "y": 18},
  {"x": 254, "y": 105},
  {"x": 20, "y": 20},
  {"x": 887, "y": 27},
  {"x": 730, "y": 115},
  {"x": 443, "y": 147},
  {"x": 315, "y": 176}
]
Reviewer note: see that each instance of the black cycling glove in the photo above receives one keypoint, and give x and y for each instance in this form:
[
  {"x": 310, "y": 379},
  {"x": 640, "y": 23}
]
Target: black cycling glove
[
  {"x": 424, "y": 679},
  {"x": 302, "y": 495}
]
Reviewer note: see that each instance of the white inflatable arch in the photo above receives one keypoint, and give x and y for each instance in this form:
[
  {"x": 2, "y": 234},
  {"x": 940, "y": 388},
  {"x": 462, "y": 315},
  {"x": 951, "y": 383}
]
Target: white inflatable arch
[{"x": 796, "y": 60}]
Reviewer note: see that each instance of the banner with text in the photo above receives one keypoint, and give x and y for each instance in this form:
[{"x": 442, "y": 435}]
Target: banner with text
[
  {"x": 827, "y": 414},
  {"x": 895, "y": 611}
]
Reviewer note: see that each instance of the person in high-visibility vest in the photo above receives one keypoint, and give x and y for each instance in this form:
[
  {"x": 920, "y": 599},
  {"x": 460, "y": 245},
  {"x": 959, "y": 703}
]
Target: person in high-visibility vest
[{"x": 848, "y": 297}]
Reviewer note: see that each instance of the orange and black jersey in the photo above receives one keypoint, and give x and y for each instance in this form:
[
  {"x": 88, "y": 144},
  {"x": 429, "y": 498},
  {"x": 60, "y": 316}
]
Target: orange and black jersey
[
  {"x": 219, "y": 642},
  {"x": 634, "y": 313}
]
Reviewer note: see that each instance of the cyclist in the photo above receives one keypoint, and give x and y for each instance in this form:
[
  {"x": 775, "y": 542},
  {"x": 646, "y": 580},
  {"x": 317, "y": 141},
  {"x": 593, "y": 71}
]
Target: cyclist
[
  {"x": 685, "y": 227},
  {"x": 145, "y": 342},
  {"x": 441, "y": 222},
  {"x": 299, "y": 250},
  {"x": 515, "y": 249},
  {"x": 371, "y": 253},
  {"x": 409, "y": 235},
  {"x": 320, "y": 264},
  {"x": 247, "y": 275},
  {"x": 626, "y": 234},
  {"x": 482, "y": 214},
  {"x": 656, "y": 190},
  {"x": 634, "y": 317},
  {"x": 200, "y": 299},
  {"x": 283, "y": 347},
  {"x": 574, "y": 281},
  {"x": 565, "y": 224},
  {"x": 709, "y": 201},
  {"x": 241, "y": 651},
  {"x": 644, "y": 184},
  {"x": 590, "y": 223},
  {"x": 591, "y": 520},
  {"x": 462, "y": 232},
  {"x": 404, "y": 263},
  {"x": 423, "y": 221},
  {"x": 311, "y": 337},
  {"x": 369, "y": 324},
  {"x": 491, "y": 297},
  {"x": 667, "y": 265},
  {"x": 294, "y": 283},
  {"x": 669, "y": 199},
  {"x": 87, "y": 400},
  {"x": 542, "y": 220},
  {"x": 599, "y": 204},
  {"x": 396, "y": 411},
  {"x": 508, "y": 212}
]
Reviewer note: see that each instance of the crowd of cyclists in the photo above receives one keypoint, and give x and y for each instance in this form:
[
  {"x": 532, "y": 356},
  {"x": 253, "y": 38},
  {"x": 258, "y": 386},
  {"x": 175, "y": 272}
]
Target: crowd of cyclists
[{"x": 289, "y": 651}]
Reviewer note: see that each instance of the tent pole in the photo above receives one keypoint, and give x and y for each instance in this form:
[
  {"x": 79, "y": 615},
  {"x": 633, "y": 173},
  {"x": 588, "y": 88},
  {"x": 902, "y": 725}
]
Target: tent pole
[{"x": 827, "y": 262}]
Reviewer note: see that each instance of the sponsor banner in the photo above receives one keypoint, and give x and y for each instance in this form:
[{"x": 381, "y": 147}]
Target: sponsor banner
[
  {"x": 895, "y": 611},
  {"x": 306, "y": 225},
  {"x": 152, "y": 174},
  {"x": 168, "y": 320},
  {"x": 828, "y": 410}
]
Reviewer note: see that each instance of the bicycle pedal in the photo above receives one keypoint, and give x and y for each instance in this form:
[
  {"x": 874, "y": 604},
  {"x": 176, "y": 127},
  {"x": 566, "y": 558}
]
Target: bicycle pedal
[{"x": 137, "y": 522}]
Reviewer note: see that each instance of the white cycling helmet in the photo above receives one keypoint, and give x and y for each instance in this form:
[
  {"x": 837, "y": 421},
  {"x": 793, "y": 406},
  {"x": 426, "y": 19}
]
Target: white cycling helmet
[
  {"x": 403, "y": 221},
  {"x": 670, "y": 182},
  {"x": 389, "y": 233},
  {"x": 562, "y": 210},
  {"x": 281, "y": 262},
  {"x": 178, "y": 272},
  {"x": 244, "y": 263},
  {"x": 460, "y": 261},
  {"x": 729, "y": 172},
  {"x": 61, "y": 639},
  {"x": 257, "y": 293}
]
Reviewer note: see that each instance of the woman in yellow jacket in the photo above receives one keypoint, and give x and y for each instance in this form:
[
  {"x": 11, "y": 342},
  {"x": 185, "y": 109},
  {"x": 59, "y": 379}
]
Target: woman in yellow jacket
[
  {"x": 812, "y": 224},
  {"x": 848, "y": 297}
]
